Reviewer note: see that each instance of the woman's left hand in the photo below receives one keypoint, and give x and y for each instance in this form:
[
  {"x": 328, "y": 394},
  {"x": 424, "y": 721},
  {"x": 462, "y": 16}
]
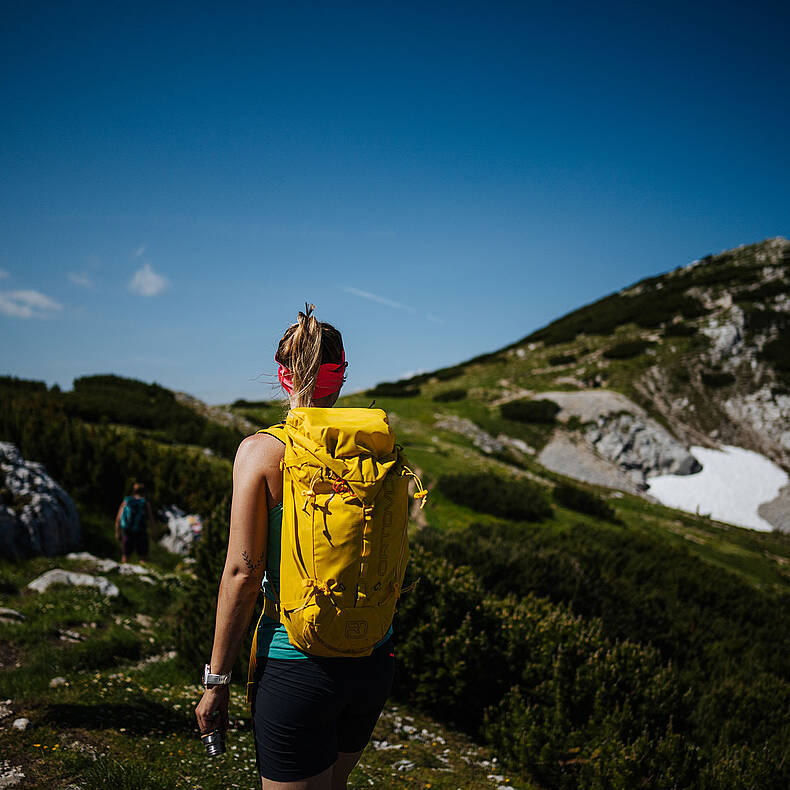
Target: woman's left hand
[{"x": 212, "y": 710}]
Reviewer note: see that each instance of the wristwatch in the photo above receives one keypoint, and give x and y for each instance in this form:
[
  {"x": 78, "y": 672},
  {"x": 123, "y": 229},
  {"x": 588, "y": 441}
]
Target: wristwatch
[{"x": 214, "y": 680}]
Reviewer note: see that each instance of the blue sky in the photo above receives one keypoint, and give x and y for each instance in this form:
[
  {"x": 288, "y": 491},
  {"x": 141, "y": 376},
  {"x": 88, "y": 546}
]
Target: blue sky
[{"x": 439, "y": 178}]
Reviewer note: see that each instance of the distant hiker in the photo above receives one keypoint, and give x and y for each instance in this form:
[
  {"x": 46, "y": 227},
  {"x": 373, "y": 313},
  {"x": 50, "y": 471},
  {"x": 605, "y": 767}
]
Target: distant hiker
[
  {"x": 319, "y": 514},
  {"x": 134, "y": 519}
]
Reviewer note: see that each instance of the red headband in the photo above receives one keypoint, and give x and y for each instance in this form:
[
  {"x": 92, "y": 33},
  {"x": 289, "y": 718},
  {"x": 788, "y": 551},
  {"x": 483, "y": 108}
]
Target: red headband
[{"x": 331, "y": 376}]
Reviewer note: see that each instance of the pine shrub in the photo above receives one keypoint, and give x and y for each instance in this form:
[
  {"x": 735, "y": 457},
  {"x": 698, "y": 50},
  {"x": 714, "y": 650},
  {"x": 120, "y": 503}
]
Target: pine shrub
[
  {"x": 542, "y": 410},
  {"x": 583, "y": 501},
  {"x": 627, "y": 350},
  {"x": 680, "y": 329},
  {"x": 562, "y": 359},
  {"x": 485, "y": 492},
  {"x": 450, "y": 395},
  {"x": 717, "y": 378},
  {"x": 394, "y": 389}
]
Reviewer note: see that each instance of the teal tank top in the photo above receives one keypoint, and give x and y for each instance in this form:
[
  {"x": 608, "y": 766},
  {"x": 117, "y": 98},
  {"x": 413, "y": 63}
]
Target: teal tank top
[{"x": 272, "y": 637}]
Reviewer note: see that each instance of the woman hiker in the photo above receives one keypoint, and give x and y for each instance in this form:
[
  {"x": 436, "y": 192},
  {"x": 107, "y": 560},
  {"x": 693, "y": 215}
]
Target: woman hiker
[{"x": 312, "y": 716}]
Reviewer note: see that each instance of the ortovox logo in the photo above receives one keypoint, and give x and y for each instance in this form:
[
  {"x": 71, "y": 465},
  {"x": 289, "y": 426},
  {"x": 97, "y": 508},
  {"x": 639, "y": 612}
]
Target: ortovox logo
[
  {"x": 356, "y": 629},
  {"x": 386, "y": 524}
]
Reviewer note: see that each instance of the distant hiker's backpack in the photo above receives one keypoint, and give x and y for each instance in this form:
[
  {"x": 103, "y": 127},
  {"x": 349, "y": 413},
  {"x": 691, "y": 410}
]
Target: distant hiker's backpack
[
  {"x": 133, "y": 514},
  {"x": 344, "y": 541}
]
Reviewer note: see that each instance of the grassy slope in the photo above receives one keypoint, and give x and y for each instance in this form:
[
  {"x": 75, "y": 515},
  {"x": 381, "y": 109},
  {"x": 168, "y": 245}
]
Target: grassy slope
[{"x": 125, "y": 716}]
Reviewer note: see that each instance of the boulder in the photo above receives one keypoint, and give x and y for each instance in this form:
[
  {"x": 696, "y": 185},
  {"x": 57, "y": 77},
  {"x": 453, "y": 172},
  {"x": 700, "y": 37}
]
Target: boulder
[
  {"x": 36, "y": 515},
  {"x": 111, "y": 566},
  {"x": 640, "y": 447},
  {"x": 59, "y": 576}
]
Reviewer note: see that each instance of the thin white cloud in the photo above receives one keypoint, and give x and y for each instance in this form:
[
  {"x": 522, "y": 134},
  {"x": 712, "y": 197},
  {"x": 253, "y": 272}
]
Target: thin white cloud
[
  {"x": 4, "y": 274},
  {"x": 27, "y": 304},
  {"x": 140, "y": 250},
  {"x": 81, "y": 279},
  {"x": 147, "y": 282},
  {"x": 435, "y": 319},
  {"x": 379, "y": 299}
]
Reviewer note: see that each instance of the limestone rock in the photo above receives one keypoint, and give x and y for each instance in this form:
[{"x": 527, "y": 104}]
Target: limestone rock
[
  {"x": 480, "y": 439},
  {"x": 36, "y": 515},
  {"x": 726, "y": 333},
  {"x": 640, "y": 447},
  {"x": 111, "y": 566},
  {"x": 10, "y": 615},
  {"x": 21, "y": 724},
  {"x": 59, "y": 576}
]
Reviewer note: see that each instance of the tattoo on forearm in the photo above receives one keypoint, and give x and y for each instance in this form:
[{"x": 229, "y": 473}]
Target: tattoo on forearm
[{"x": 253, "y": 566}]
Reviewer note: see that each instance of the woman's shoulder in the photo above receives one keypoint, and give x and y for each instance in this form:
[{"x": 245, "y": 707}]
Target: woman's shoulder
[{"x": 260, "y": 449}]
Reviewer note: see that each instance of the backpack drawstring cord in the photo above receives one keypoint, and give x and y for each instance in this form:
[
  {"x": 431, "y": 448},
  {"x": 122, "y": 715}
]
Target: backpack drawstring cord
[
  {"x": 309, "y": 494},
  {"x": 420, "y": 494}
]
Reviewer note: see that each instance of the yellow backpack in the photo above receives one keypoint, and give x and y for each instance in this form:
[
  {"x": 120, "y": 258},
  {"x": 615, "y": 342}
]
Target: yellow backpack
[{"x": 344, "y": 540}]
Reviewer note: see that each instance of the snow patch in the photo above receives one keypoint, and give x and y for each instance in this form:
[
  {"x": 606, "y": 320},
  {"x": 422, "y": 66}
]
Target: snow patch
[{"x": 733, "y": 483}]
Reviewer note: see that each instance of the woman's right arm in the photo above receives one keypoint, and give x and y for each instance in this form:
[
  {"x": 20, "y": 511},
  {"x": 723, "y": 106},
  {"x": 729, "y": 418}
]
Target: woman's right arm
[{"x": 244, "y": 567}]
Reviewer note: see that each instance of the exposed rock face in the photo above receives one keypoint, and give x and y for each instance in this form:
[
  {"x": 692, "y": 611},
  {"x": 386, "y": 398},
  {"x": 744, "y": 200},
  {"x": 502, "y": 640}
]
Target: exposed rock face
[
  {"x": 576, "y": 459},
  {"x": 726, "y": 333},
  {"x": 183, "y": 530},
  {"x": 640, "y": 447},
  {"x": 482, "y": 440},
  {"x": 768, "y": 415},
  {"x": 620, "y": 432},
  {"x": 36, "y": 516},
  {"x": 59, "y": 576}
]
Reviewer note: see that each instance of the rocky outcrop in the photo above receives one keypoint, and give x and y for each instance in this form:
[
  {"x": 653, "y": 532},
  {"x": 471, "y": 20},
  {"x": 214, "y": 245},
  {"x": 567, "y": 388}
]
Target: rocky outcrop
[
  {"x": 640, "y": 447},
  {"x": 183, "y": 529},
  {"x": 59, "y": 576},
  {"x": 483, "y": 441},
  {"x": 620, "y": 433},
  {"x": 768, "y": 416},
  {"x": 479, "y": 438},
  {"x": 574, "y": 458},
  {"x": 726, "y": 334},
  {"x": 36, "y": 515},
  {"x": 111, "y": 566}
]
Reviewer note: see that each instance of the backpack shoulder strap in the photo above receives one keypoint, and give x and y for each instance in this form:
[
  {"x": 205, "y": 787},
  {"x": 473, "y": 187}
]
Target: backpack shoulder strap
[{"x": 275, "y": 431}]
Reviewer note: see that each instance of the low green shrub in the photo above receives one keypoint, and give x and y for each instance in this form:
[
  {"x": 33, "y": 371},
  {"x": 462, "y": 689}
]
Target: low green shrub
[
  {"x": 562, "y": 359},
  {"x": 542, "y": 410},
  {"x": 627, "y": 349},
  {"x": 680, "y": 329},
  {"x": 445, "y": 374},
  {"x": 545, "y": 688},
  {"x": 240, "y": 403},
  {"x": 757, "y": 319},
  {"x": 513, "y": 498},
  {"x": 583, "y": 501},
  {"x": 450, "y": 395},
  {"x": 394, "y": 389},
  {"x": 777, "y": 352},
  {"x": 717, "y": 378}
]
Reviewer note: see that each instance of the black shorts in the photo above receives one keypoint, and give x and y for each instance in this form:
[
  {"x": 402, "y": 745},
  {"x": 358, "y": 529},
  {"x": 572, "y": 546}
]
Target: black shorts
[
  {"x": 305, "y": 711},
  {"x": 134, "y": 541}
]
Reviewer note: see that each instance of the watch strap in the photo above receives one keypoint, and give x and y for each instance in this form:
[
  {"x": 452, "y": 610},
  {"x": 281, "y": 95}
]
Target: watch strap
[{"x": 211, "y": 679}]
